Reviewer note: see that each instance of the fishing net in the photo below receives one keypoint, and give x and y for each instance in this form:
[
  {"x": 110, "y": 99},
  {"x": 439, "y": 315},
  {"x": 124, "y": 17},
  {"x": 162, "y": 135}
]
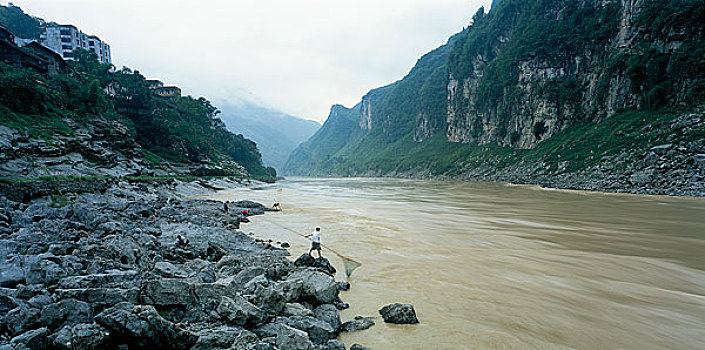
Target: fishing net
[{"x": 350, "y": 265}]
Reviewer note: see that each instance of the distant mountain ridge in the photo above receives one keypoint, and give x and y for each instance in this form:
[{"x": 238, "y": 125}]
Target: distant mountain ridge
[{"x": 276, "y": 133}]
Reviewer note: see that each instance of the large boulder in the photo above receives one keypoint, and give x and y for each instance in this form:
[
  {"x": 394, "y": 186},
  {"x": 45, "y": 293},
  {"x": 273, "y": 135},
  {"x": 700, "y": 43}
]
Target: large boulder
[
  {"x": 265, "y": 295},
  {"x": 101, "y": 296},
  {"x": 43, "y": 269},
  {"x": 32, "y": 340},
  {"x": 358, "y": 324},
  {"x": 238, "y": 311},
  {"x": 142, "y": 327},
  {"x": 334, "y": 344},
  {"x": 112, "y": 278},
  {"x": 167, "y": 292},
  {"x": 21, "y": 319},
  {"x": 286, "y": 337},
  {"x": 316, "y": 285},
  {"x": 67, "y": 311},
  {"x": 328, "y": 313},
  {"x": 296, "y": 309},
  {"x": 11, "y": 272},
  {"x": 318, "y": 331},
  {"x": 399, "y": 314},
  {"x": 359, "y": 347},
  {"x": 81, "y": 336},
  {"x": 306, "y": 260},
  {"x": 225, "y": 337}
]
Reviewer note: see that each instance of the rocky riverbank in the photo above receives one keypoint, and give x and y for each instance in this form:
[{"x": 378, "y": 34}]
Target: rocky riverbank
[
  {"x": 675, "y": 167},
  {"x": 105, "y": 271}
]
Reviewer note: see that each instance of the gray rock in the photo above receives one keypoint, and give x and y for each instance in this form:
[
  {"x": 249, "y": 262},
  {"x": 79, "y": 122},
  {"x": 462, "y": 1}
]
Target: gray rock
[
  {"x": 28, "y": 292},
  {"x": 12, "y": 272},
  {"x": 33, "y": 340},
  {"x": 113, "y": 278},
  {"x": 225, "y": 337},
  {"x": 291, "y": 290},
  {"x": 662, "y": 149},
  {"x": 316, "y": 285},
  {"x": 143, "y": 327},
  {"x": 81, "y": 336},
  {"x": 166, "y": 269},
  {"x": 318, "y": 331},
  {"x": 334, "y": 344},
  {"x": 238, "y": 311},
  {"x": 67, "y": 311},
  {"x": 358, "y": 324},
  {"x": 22, "y": 319},
  {"x": 399, "y": 314},
  {"x": 101, "y": 296},
  {"x": 650, "y": 160},
  {"x": 343, "y": 286},
  {"x": 7, "y": 303},
  {"x": 328, "y": 313},
  {"x": 168, "y": 291},
  {"x": 296, "y": 309},
  {"x": 286, "y": 337},
  {"x": 40, "y": 301},
  {"x": 265, "y": 294},
  {"x": 43, "y": 269},
  {"x": 359, "y": 347},
  {"x": 322, "y": 264}
]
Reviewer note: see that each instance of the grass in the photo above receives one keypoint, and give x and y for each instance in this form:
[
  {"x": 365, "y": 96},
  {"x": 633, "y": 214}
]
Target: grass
[{"x": 44, "y": 126}]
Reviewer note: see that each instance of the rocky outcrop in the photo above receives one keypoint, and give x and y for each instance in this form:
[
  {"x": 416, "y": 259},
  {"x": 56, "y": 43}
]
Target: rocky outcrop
[
  {"x": 106, "y": 270},
  {"x": 399, "y": 314},
  {"x": 358, "y": 324}
]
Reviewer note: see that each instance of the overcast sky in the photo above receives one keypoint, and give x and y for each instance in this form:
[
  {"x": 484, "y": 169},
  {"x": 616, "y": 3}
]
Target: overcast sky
[{"x": 297, "y": 56}]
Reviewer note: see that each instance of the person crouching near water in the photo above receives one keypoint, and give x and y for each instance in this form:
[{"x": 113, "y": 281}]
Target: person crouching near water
[{"x": 315, "y": 241}]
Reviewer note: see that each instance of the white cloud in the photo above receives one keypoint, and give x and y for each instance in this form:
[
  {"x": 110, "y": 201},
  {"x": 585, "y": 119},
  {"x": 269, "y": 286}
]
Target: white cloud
[{"x": 297, "y": 56}]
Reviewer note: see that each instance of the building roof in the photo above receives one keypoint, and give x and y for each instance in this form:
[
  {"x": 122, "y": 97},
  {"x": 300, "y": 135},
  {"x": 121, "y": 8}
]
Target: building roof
[
  {"x": 6, "y": 34},
  {"x": 44, "y": 50}
]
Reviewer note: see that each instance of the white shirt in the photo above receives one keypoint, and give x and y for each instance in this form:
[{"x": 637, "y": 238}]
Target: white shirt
[{"x": 316, "y": 236}]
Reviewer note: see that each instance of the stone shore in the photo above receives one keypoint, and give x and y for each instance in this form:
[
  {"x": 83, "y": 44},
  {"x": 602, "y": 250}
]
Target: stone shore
[{"x": 103, "y": 271}]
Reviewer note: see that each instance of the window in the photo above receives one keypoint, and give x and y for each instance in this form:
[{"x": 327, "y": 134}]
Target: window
[
  {"x": 66, "y": 47},
  {"x": 65, "y": 40}
]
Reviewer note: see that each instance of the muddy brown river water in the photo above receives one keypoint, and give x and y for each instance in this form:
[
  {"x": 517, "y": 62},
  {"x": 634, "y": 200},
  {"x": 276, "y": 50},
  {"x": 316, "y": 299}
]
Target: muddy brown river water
[{"x": 498, "y": 266}]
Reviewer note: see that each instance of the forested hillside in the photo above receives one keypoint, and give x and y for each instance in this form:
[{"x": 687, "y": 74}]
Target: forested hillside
[{"x": 91, "y": 119}]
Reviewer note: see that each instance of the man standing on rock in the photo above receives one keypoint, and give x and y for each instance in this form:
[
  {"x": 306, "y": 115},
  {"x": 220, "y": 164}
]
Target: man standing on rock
[{"x": 315, "y": 241}]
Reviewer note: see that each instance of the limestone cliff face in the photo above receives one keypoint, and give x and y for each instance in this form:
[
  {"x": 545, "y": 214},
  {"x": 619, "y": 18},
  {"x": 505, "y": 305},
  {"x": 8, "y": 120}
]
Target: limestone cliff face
[
  {"x": 366, "y": 115},
  {"x": 551, "y": 90}
]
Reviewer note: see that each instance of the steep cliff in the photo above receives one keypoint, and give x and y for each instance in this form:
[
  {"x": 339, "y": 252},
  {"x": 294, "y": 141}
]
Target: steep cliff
[
  {"x": 532, "y": 68},
  {"x": 525, "y": 73}
]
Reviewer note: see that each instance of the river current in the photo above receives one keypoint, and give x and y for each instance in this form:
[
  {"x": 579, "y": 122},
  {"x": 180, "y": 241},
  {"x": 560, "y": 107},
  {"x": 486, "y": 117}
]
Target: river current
[{"x": 499, "y": 266}]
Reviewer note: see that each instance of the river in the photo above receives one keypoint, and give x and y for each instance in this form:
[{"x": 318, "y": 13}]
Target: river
[{"x": 499, "y": 266}]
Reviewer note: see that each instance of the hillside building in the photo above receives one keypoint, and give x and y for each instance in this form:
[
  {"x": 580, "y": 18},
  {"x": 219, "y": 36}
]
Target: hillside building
[
  {"x": 53, "y": 62},
  {"x": 63, "y": 39},
  {"x": 158, "y": 88},
  {"x": 35, "y": 56}
]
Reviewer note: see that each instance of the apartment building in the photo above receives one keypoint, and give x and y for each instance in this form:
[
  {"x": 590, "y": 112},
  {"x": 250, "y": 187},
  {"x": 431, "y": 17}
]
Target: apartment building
[{"x": 64, "y": 39}]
